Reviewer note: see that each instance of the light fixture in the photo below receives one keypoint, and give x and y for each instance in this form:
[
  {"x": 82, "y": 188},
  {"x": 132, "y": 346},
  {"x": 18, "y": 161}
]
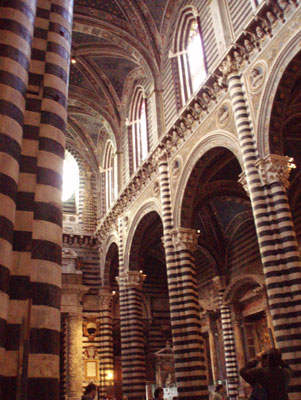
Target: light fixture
[
  {"x": 109, "y": 375},
  {"x": 141, "y": 272},
  {"x": 198, "y": 231},
  {"x": 113, "y": 292},
  {"x": 73, "y": 60}
]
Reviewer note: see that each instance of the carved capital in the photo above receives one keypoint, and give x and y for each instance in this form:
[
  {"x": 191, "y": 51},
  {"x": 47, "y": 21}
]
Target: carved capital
[
  {"x": 184, "y": 239},
  {"x": 230, "y": 65},
  {"x": 131, "y": 279},
  {"x": 105, "y": 298},
  {"x": 219, "y": 282},
  {"x": 243, "y": 181},
  {"x": 274, "y": 168},
  {"x": 160, "y": 154}
]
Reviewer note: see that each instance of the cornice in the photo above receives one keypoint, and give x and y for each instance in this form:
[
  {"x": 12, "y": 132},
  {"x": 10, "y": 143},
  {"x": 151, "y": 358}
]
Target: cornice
[{"x": 236, "y": 60}]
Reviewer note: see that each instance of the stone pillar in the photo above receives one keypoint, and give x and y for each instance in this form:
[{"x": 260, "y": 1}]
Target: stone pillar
[
  {"x": 240, "y": 353},
  {"x": 189, "y": 349},
  {"x": 191, "y": 376},
  {"x": 212, "y": 348},
  {"x": 132, "y": 340},
  {"x": 16, "y": 34},
  {"x": 275, "y": 232},
  {"x": 75, "y": 356},
  {"x": 106, "y": 364},
  {"x": 229, "y": 343},
  {"x": 71, "y": 305}
]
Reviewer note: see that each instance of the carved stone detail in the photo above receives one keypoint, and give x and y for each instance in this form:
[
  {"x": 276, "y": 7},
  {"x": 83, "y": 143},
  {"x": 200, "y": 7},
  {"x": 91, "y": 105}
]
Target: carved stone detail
[
  {"x": 105, "y": 299},
  {"x": 274, "y": 168},
  {"x": 243, "y": 181},
  {"x": 184, "y": 239},
  {"x": 131, "y": 279},
  {"x": 259, "y": 27},
  {"x": 74, "y": 343}
]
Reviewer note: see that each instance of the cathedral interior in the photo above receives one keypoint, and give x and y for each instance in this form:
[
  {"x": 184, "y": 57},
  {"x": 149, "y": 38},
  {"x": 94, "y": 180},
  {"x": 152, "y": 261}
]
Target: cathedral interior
[{"x": 150, "y": 195}]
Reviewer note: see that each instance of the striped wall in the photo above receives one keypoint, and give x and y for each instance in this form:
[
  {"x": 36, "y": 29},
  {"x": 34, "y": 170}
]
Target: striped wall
[
  {"x": 239, "y": 13},
  {"x": 243, "y": 251}
]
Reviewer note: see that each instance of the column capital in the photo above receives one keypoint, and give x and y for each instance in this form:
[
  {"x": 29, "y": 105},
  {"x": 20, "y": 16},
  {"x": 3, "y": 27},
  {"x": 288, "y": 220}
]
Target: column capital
[
  {"x": 230, "y": 65},
  {"x": 243, "y": 181},
  {"x": 130, "y": 279},
  {"x": 275, "y": 168},
  {"x": 219, "y": 282},
  {"x": 160, "y": 155},
  {"x": 105, "y": 297},
  {"x": 184, "y": 238}
]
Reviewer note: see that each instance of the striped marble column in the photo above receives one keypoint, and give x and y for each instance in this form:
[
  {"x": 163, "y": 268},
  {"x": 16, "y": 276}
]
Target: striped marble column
[
  {"x": 132, "y": 340},
  {"x": 229, "y": 342},
  {"x": 188, "y": 344},
  {"x": 275, "y": 233},
  {"x": 190, "y": 370},
  {"x": 16, "y": 32},
  {"x": 106, "y": 364},
  {"x": 43, "y": 373}
]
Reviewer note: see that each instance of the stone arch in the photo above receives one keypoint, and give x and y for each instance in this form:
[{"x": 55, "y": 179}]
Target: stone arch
[
  {"x": 268, "y": 97},
  {"x": 110, "y": 246},
  {"x": 146, "y": 213},
  {"x": 239, "y": 282},
  {"x": 209, "y": 141}
]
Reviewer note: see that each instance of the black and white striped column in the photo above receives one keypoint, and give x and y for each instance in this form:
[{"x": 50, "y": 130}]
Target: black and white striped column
[
  {"x": 106, "y": 364},
  {"x": 188, "y": 344},
  {"x": 229, "y": 343},
  {"x": 190, "y": 367},
  {"x": 16, "y": 32},
  {"x": 132, "y": 339},
  {"x": 275, "y": 232}
]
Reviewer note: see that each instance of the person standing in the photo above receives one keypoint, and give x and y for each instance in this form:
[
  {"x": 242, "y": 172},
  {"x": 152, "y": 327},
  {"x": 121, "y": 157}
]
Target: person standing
[
  {"x": 90, "y": 392},
  {"x": 274, "y": 377}
]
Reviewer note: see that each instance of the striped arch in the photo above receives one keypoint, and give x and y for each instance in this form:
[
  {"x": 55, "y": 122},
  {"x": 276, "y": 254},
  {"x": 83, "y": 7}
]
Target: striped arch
[
  {"x": 110, "y": 245},
  {"x": 149, "y": 207},
  {"x": 266, "y": 105},
  {"x": 240, "y": 281},
  {"x": 209, "y": 141}
]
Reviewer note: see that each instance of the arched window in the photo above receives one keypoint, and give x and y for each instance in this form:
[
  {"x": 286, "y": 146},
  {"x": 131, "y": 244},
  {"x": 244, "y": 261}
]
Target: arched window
[
  {"x": 110, "y": 171},
  {"x": 70, "y": 183},
  {"x": 137, "y": 130},
  {"x": 188, "y": 54}
]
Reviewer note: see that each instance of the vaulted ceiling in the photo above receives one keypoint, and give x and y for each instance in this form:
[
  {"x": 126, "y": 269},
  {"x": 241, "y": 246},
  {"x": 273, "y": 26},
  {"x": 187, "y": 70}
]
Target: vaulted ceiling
[{"x": 115, "y": 43}]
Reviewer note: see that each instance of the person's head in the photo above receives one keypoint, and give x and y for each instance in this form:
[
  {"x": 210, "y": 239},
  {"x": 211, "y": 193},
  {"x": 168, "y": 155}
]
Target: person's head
[
  {"x": 159, "y": 393},
  {"x": 219, "y": 388},
  {"x": 274, "y": 358},
  {"x": 264, "y": 359},
  {"x": 91, "y": 390}
]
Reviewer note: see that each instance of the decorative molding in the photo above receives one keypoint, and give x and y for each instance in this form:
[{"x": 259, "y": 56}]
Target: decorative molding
[
  {"x": 238, "y": 282},
  {"x": 184, "y": 239},
  {"x": 274, "y": 168},
  {"x": 131, "y": 279},
  {"x": 243, "y": 181}
]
